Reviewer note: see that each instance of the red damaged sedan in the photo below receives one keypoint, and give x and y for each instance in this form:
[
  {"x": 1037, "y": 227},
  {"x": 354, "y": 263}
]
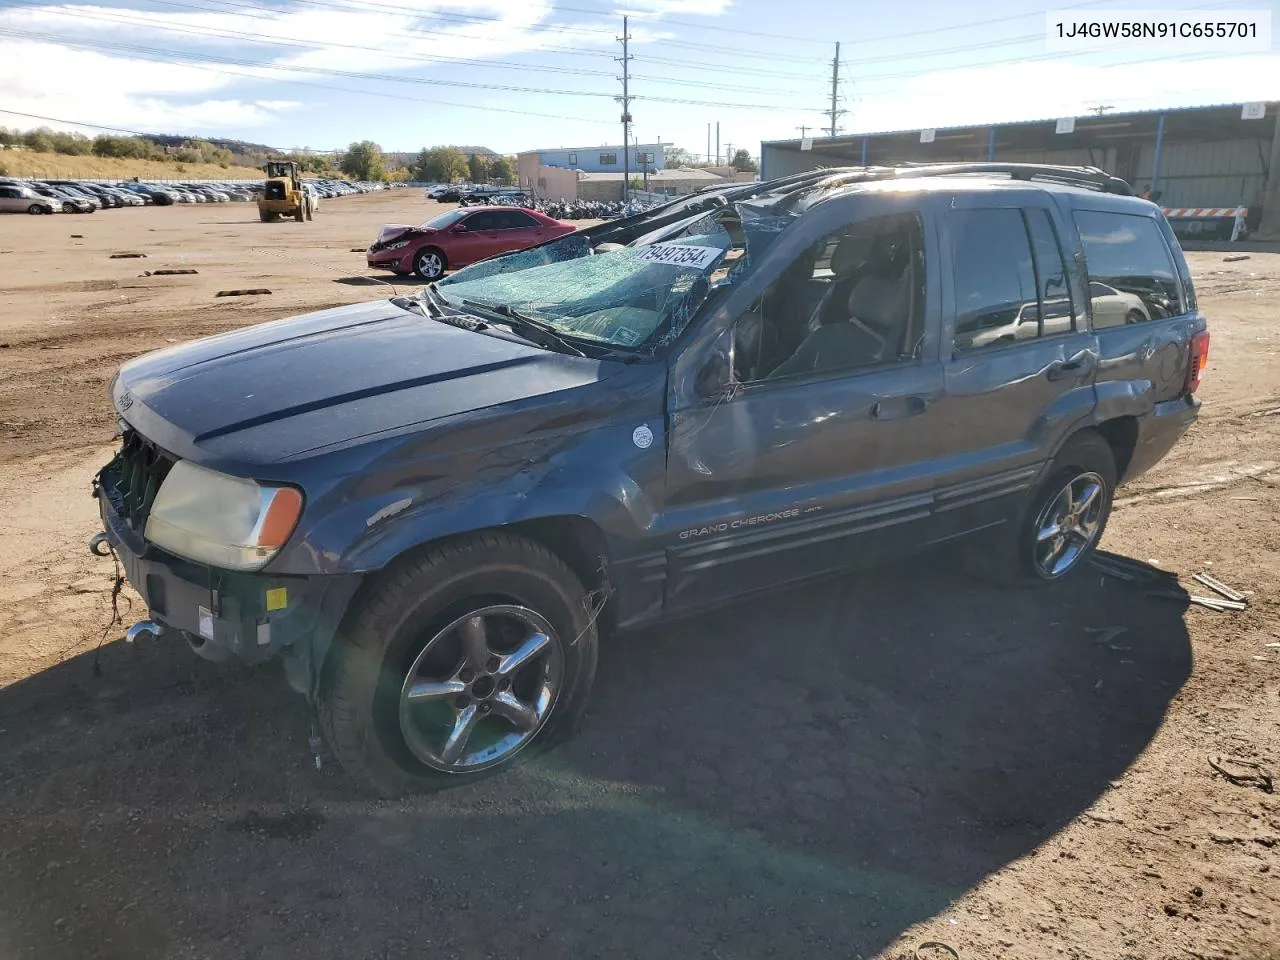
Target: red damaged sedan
[{"x": 461, "y": 237}]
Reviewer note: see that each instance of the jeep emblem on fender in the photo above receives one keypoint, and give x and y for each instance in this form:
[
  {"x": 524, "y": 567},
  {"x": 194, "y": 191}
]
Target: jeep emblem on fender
[{"x": 642, "y": 437}]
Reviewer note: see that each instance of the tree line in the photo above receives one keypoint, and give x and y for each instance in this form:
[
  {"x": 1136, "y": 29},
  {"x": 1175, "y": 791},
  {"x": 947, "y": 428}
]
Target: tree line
[
  {"x": 363, "y": 160},
  {"x": 44, "y": 140}
]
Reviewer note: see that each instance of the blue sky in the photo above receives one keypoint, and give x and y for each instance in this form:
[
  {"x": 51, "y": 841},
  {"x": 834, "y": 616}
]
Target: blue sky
[{"x": 541, "y": 73}]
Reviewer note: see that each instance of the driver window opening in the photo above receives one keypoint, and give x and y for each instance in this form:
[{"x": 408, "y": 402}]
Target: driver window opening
[{"x": 853, "y": 300}]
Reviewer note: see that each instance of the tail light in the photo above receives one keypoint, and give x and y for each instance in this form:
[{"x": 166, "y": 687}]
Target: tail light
[{"x": 1196, "y": 361}]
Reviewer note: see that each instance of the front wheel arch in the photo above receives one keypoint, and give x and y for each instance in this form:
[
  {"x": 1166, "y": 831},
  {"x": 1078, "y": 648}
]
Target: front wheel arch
[
  {"x": 420, "y": 590},
  {"x": 426, "y": 251}
]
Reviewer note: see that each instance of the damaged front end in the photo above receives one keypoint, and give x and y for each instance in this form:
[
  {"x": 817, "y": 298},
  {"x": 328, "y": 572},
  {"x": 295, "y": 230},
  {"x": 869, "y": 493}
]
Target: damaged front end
[{"x": 221, "y": 614}]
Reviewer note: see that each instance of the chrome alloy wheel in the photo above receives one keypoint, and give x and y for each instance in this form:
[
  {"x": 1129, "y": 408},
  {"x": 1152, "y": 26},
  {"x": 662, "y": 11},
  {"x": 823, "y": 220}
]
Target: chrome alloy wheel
[
  {"x": 1068, "y": 525},
  {"x": 481, "y": 689},
  {"x": 430, "y": 265}
]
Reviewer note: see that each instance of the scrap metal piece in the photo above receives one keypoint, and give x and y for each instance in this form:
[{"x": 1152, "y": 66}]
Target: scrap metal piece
[
  {"x": 1217, "y": 586},
  {"x": 1213, "y": 603},
  {"x": 127, "y": 256},
  {"x": 1258, "y": 775},
  {"x": 242, "y": 293}
]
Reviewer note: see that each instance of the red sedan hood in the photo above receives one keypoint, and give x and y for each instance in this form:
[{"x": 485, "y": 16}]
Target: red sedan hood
[{"x": 395, "y": 229}]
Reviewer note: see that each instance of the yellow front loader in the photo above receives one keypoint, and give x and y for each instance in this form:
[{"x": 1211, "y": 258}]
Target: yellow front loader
[{"x": 282, "y": 195}]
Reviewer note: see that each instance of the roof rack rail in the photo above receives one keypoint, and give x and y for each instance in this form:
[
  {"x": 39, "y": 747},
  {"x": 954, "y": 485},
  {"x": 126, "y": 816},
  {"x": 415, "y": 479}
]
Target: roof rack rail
[{"x": 1090, "y": 177}]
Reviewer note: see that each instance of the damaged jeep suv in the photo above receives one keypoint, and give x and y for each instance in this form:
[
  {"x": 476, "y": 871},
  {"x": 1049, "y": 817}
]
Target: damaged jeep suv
[{"x": 431, "y": 507}]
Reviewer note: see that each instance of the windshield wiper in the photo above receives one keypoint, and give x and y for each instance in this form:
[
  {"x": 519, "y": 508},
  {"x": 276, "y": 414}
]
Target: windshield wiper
[
  {"x": 539, "y": 331},
  {"x": 422, "y": 307}
]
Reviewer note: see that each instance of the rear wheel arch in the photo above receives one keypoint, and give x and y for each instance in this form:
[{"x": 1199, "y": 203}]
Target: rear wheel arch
[{"x": 1121, "y": 434}]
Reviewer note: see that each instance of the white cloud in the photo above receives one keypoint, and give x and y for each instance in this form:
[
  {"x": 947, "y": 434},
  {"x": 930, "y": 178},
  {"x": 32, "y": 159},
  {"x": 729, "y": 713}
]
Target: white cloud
[
  {"x": 1041, "y": 89},
  {"x": 49, "y": 78},
  {"x": 682, "y": 8}
]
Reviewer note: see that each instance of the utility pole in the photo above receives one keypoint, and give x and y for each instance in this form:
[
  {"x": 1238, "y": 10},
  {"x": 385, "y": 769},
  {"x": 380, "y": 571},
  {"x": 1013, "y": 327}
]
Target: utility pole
[
  {"x": 708, "y": 143},
  {"x": 804, "y": 131},
  {"x": 1101, "y": 108},
  {"x": 728, "y": 153},
  {"x": 835, "y": 110},
  {"x": 717, "y": 143},
  {"x": 626, "y": 113}
]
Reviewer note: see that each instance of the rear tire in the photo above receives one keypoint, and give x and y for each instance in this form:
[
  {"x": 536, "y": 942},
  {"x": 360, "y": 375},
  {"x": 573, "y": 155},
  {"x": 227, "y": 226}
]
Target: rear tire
[
  {"x": 404, "y": 671},
  {"x": 1021, "y": 552},
  {"x": 36, "y": 209}
]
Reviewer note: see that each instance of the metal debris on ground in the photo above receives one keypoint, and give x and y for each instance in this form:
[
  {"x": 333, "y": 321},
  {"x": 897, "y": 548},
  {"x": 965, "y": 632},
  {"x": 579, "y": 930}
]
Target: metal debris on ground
[
  {"x": 168, "y": 273},
  {"x": 1256, "y": 774},
  {"x": 1106, "y": 634},
  {"x": 1217, "y": 586},
  {"x": 935, "y": 945},
  {"x": 1124, "y": 569},
  {"x": 1213, "y": 603},
  {"x": 1234, "y": 257},
  {"x": 357, "y": 250},
  {"x": 77, "y": 236},
  {"x": 242, "y": 293},
  {"x": 127, "y": 256}
]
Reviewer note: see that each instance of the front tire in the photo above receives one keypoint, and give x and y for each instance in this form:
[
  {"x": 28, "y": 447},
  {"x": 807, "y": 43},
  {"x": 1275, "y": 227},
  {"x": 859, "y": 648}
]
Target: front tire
[
  {"x": 1064, "y": 521},
  {"x": 36, "y": 209},
  {"x": 429, "y": 264},
  {"x": 461, "y": 661}
]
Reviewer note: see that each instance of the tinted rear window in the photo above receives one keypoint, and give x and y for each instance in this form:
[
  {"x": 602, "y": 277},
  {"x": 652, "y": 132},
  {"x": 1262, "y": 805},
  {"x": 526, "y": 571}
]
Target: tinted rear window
[
  {"x": 1132, "y": 277},
  {"x": 995, "y": 281}
]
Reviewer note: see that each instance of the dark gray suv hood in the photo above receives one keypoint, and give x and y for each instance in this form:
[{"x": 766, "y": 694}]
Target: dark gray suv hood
[{"x": 276, "y": 390}]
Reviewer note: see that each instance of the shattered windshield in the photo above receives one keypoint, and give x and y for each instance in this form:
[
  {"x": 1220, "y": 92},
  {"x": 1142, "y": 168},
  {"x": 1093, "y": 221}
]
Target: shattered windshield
[{"x": 623, "y": 298}]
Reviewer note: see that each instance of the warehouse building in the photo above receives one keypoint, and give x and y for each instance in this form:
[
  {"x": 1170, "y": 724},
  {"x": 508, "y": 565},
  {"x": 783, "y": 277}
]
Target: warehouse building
[
  {"x": 596, "y": 173},
  {"x": 1217, "y": 158}
]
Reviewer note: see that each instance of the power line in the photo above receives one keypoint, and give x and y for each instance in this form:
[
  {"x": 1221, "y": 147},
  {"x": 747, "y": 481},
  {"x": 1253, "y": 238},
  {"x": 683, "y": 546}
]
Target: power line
[
  {"x": 273, "y": 40},
  {"x": 182, "y": 56},
  {"x": 160, "y": 57}
]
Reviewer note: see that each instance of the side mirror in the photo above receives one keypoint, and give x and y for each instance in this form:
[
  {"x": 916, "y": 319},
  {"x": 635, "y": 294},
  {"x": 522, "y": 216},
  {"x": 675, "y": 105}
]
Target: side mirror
[{"x": 459, "y": 228}]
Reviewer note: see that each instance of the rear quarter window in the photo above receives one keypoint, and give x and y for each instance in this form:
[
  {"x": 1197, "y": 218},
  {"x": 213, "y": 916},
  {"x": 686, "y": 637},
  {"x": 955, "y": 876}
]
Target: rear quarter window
[{"x": 1132, "y": 276}]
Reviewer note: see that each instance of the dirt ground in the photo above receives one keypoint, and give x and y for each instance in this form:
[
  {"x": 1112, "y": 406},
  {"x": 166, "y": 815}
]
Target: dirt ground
[{"x": 847, "y": 770}]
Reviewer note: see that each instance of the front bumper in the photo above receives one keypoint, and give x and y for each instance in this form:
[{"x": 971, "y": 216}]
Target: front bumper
[
  {"x": 385, "y": 259},
  {"x": 226, "y": 614}
]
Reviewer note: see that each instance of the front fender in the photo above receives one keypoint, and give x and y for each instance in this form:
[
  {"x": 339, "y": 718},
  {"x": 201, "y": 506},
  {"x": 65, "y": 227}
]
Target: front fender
[{"x": 574, "y": 458}]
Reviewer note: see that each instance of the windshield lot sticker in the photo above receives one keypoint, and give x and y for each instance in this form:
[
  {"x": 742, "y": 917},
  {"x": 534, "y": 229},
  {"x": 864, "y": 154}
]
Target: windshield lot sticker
[
  {"x": 679, "y": 255},
  {"x": 642, "y": 437}
]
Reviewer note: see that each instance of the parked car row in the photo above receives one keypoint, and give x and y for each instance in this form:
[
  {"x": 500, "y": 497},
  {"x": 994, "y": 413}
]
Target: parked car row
[{"x": 87, "y": 196}]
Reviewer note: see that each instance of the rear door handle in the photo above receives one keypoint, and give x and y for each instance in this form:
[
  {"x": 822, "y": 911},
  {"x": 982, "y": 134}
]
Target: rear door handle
[
  {"x": 1062, "y": 369},
  {"x": 898, "y": 408}
]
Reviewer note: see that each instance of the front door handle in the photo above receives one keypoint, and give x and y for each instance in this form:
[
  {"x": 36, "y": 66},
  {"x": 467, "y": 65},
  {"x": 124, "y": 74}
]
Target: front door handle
[
  {"x": 1062, "y": 369},
  {"x": 897, "y": 408}
]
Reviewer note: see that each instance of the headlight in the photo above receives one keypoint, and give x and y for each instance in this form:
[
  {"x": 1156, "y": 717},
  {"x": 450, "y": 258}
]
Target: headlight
[
  {"x": 397, "y": 245},
  {"x": 221, "y": 520}
]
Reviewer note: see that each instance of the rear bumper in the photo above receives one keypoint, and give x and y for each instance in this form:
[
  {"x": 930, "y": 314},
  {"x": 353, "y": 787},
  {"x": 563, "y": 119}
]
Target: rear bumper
[
  {"x": 224, "y": 614},
  {"x": 1158, "y": 431}
]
